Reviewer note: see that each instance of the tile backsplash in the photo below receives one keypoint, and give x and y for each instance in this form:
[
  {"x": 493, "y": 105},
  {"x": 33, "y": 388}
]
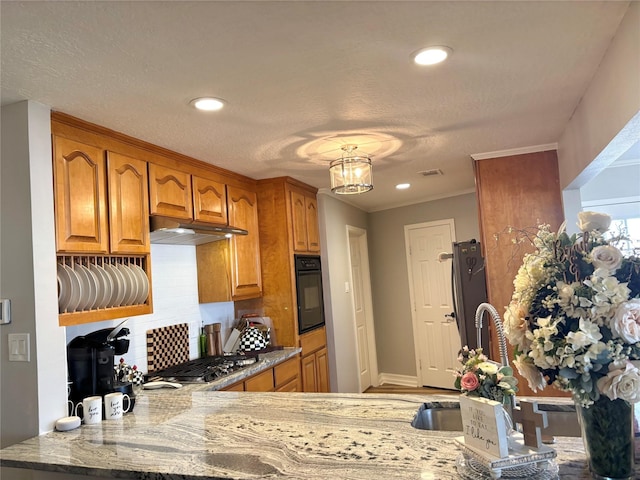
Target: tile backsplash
[{"x": 175, "y": 300}]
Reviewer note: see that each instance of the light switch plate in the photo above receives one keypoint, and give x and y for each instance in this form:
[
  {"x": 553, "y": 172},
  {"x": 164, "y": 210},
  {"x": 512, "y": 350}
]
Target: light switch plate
[
  {"x": 5, "y": 311},
  {"x": 19, "y": 348}
]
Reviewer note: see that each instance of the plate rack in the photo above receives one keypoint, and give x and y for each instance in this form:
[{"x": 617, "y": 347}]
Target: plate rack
[{"x": 92, "y": 288}]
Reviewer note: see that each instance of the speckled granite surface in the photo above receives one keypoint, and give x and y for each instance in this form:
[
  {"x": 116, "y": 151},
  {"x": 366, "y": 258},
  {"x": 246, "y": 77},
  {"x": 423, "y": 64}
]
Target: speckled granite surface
[{"x": 191, "y": 433}]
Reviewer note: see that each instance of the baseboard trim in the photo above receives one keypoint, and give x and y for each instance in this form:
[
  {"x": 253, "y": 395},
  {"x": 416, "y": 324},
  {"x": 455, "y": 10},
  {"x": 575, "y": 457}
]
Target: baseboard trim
[{"x": 394, "y": 379}]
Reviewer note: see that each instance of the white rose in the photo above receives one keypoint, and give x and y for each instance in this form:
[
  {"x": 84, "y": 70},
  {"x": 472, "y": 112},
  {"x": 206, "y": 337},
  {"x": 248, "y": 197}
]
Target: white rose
[
  {"x": 622, "y": 381},
  {"x": 530, "y": 373},
  {"x": 488, "y": 368},
  {"x": 626, "y": 321},
  {"x": 588, "y": 221},
  {"x": 607, "y": 257}
]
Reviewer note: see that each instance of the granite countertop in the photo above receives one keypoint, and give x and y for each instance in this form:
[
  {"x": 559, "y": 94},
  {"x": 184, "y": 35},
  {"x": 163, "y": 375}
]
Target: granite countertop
[{"x": 192, "y": 433}]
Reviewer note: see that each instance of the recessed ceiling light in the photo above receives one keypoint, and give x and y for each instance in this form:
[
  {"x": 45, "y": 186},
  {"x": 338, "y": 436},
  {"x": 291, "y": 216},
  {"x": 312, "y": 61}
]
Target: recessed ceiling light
[
  {"x": 207, "y": 104},
  {"x": 432, "y": 55},
  {"x": 403, "y": 186}
]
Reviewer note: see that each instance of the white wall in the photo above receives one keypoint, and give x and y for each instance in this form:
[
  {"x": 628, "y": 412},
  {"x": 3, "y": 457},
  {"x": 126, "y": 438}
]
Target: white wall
[
  {"x": 33, "y": 394},
  {"x": 606, "y": 123},
  {"x": 334, "y": 216}
]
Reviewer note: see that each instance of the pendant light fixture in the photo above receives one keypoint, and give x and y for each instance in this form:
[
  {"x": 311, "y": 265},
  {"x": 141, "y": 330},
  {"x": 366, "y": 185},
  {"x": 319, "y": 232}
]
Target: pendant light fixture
[{"x": 351, "y": 174}]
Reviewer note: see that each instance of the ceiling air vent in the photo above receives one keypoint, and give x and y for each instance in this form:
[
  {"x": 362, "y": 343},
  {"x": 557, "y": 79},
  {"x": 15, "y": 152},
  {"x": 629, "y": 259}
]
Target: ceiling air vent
[{"x": 432, "y": 172}]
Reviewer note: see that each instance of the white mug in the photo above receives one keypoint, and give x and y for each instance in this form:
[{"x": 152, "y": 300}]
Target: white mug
[
  {"x": 91, "y": 409},
  {"x": 114, "y": 405}
]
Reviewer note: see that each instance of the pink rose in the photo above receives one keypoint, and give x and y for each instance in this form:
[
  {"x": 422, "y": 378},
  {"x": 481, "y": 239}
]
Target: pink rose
[{"x": 469, "y": 382}]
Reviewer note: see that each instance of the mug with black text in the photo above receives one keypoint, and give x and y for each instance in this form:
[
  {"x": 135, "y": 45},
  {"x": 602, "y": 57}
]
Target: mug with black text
[
  {"x": 91, "y": 409},
  {"x": 114, "y": 405}
]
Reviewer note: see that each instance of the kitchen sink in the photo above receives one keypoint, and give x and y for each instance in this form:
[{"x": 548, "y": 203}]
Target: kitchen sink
[{"x": 563, "y": 421}]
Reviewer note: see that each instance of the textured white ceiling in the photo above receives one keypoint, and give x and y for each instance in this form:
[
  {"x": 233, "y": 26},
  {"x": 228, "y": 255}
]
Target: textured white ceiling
[{"x": 303, "y": 78}]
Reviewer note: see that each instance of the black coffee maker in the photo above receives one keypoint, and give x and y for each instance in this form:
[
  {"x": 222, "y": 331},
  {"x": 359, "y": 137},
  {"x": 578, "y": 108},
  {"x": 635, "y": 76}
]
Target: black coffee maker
[{"x": 90, "y": 361}]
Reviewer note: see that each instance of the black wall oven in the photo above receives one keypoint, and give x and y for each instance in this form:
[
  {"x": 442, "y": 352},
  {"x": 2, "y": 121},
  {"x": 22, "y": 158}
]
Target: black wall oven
[{"x": 309, "y": 290}]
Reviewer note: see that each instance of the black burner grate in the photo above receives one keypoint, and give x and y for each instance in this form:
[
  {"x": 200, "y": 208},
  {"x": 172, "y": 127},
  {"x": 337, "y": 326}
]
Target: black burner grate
[{"x": 204, "y": 369}]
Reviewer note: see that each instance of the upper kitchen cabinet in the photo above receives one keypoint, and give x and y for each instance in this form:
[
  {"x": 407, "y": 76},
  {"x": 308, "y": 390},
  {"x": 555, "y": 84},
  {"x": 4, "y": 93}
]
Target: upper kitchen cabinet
[
  {"x": 304, "y": 219},
  {"x": 80, "y": 197},
  {"x": 246, "y": 276},
  {"x": 170, "y": 192},
  {"x": 209, "y": 200},
  {"x": 128, "y": 204},
  {"x": 230, "y": 269}
]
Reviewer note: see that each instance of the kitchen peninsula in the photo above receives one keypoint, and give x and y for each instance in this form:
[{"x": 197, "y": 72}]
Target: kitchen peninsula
[{"x": 191, "y": 433}]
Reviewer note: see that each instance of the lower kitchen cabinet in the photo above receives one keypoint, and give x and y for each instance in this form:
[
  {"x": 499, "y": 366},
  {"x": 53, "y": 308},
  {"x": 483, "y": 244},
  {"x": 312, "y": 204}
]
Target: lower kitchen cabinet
[
  {"x": 284, "y": 377},
  {"x": 315, "y": 362}
]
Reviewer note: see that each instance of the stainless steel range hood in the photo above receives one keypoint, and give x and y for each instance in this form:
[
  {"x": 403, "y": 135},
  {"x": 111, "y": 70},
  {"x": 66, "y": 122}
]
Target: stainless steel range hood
[{"x": 185, "y": 232}]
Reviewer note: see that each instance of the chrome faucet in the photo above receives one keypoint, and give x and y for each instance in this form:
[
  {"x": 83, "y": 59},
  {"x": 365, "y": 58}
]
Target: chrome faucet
[{"x": 502, "y": 341}]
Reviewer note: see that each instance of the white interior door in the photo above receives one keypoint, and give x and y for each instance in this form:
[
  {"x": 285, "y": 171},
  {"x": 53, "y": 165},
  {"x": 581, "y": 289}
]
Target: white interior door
[
  {"x": 436, "y": 337},
  {"x": 361, "y": 296}
]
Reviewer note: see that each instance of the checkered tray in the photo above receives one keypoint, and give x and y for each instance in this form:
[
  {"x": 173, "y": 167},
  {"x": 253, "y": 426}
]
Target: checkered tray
[{"x": 167, "y": 346}]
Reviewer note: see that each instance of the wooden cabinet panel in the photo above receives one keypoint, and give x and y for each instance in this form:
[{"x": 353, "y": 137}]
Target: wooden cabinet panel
[
  {"x": 308, "y": 365},
  {"x": 322, "y": 366},
  {"x": 209, "y": 201},
  {"x": 262, "y": 382},
  {"x": 311, "y": 217},
  {"x": 169, "y": 192},
  {"x": 312, "y": 341},
  {"x": 236, "y": 387},
  {"x": 246, "y": 276},
  {"x": 286, "y": 371},
  {"x": 291, "y": 386},
  {"x": 298, "y": 220},
  {"x": 128, "y": 204},
  {"x": 80, "y": 197}
]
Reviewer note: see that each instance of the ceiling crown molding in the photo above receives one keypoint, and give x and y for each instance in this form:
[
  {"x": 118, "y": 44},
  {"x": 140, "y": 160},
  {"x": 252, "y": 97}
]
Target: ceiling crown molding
[{"x": 515, "y": 151}]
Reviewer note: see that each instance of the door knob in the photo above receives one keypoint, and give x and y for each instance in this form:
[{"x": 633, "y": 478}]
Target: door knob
[{"x": 450, "y": 317}]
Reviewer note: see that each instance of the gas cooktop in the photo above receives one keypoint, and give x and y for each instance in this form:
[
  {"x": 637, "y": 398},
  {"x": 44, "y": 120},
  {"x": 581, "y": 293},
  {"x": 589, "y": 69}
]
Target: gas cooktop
[{"x": 203, "y": 370}]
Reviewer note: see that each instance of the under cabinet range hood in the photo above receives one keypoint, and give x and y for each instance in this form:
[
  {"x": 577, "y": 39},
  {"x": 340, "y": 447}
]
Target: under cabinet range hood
[{"x": 187, "y": 232}]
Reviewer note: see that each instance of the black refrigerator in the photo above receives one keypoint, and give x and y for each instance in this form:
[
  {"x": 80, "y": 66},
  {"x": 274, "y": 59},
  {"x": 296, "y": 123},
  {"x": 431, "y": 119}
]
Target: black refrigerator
[{"x": 469, "y": 289}]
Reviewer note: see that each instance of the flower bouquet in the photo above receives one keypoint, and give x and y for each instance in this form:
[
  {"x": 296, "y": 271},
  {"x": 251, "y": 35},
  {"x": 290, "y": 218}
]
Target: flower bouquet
[
  {"x": 479, "y": 377},
  {"x": 574, "y": 323}
]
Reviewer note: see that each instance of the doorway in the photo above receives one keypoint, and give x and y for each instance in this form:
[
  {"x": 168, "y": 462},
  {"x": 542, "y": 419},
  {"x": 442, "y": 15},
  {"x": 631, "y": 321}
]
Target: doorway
[
  {"x": 362, "y": 308},
  {"x": 435, "y": 332}
]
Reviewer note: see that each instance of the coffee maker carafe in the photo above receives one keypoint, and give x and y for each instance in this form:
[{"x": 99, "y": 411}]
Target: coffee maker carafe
[{"x": 90, "y": 361}]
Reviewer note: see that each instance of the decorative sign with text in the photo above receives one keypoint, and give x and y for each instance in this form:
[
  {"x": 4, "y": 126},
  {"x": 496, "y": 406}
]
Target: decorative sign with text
[{"x": 484, "y": 426}]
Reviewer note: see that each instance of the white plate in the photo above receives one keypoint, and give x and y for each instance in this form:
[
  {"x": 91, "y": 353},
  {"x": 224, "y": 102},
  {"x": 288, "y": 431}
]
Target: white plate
[
  {"x": 105, "y": 285},
  {"x": 143, "y": 283},
  {"x": 89, "y": 287},
  {"x": 118, "y": 285},
  {"x": 76, "y": 290},
  {"x": 132, "y": 284},
  {"x": 64, "y": 289}
]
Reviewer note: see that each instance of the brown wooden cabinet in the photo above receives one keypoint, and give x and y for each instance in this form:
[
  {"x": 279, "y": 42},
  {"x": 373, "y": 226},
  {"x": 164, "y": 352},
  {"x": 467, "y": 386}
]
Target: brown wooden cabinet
[
  {"x": 128, "y": 204},
  {"x": 230, "y": 269},
  {"x": 283, "y": 377},
  {"x": 170, "y": 192},
  {"x": 80, "y": 197},
  {"x": 246, "y": 275},
  {"x": 287, "y": 210},
  {"x": 209, "y": 200},
  {"x": 315, "y": 361},
  {"x": 304, "y": 221}
]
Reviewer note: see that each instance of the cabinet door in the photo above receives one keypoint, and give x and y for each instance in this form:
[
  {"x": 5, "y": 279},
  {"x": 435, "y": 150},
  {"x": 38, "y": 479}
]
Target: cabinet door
[
  {"x": 128, "y": 204},
  {"x": 169, "y": 192},
  {"x": 246, "y": 276},
  {"x": 236, "y": 387},
  {"x": 291, "y": 386},
  {"x": 80, "y": 197},
  {"x": 263, "y": 382},
  {"x": 322, "y": 370},
  {"x": 311, "y": 217},
  {"x": 309, "y": 373},
  {"x": 209, "y": 201},
  {"x": 298, "y": 219}
]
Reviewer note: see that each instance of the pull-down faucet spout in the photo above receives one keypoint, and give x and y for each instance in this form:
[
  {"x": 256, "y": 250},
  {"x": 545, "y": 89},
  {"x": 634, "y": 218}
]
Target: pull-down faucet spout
[{"x": 502, "y": 342}]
